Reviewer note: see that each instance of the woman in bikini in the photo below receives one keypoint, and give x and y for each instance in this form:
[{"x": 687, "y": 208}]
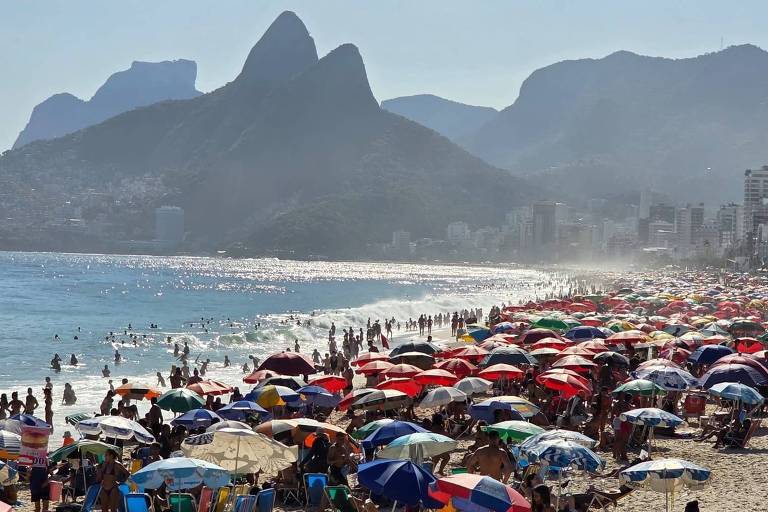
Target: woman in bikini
[{"x": 110, "y": 474}]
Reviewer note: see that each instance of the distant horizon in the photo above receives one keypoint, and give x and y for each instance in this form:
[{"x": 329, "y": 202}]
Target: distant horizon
[{"x": 477, "y": 54}]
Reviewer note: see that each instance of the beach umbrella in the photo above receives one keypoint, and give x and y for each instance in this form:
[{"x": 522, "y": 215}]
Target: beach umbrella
[
  {"x": 418, "y": 446},
  {"x": 287, "y": 381},
  {"x": 352, "y": 396},
  {"x": 552, "y": 323},
  {"x": 553, "y": 343},
  {"x": 242, "y": 451},
  {"x": 562, "y": 454},
  {"x": 210, "y": 387},
  {"x": 708, "y": 354},
  {"x": 424, "y": 347},
  {"x": 561, "y": 434},
  {"x": 473, "y": 493},
  {"x": 137, "y": 391},
  {"x": 8, "y": 474},
  {"x": 668, "y": 377},
  {"x": 515, "y": 430},
  {"x": 402, "y": 384},
  {"x": 442, "y": 396},
  {"x": 17, "y": 421},
  {"x": 740, "y": 373},
  {"x": 272, "y": 396},
  {"x": 401, "y": 371},
  {"x": 568, "y": 385},
  {"x": 640, "y": 387},
  {"x": 627, "y": 337},
  {"x": 180, "y": 400},
  {"x": 665, "y": 475},
  {"x": 584, "y": 333},
  {"x": 540, "y": 353},
  {"x": 676, "y": 354},
  {"x": 401, "y": 481},
  {"x": 486, "y": 410},
  {"x": 333, "y": 383},
  {"x": 596, "y": 346},
  {"x": 474, "y": 353},
  {"x": 178, "y": 473},
  {"x": 82, "y": 447},
  {"x": 374, "y": 368},
  {"x": 435, "y": 377},
  {"x": 74, "y": 419},
  {"x": 501, "y": 371},
  {"x": 381, "y": 399},
  {"x": 116, "y": 427},
  {"x": 388, "y": 432},
  {"x": 611, "y": 358},
  {"x": 257, "y": 376},
  {"x": 227, "y": 424},
  {"x": 651, "y": 417},
  {"x": 459, "y": 367},
  {"x": 477, "y": 333},
  {"x": 533, "y": 335},
  {"x": 508, "y": 355},
  {"x": 577, "y": 350},
  {"x": 196, "y": 418},
  {"x": 748, "y": 345},
  {"x": 473, "y": 385},
  {"x": 240, "y": 410},
  {"x": 503, "y": 327},
  {"x": 737, "y": 392},
  {"x": 369, "y": 357},
  {"x": 289, "y": 363},
  {"x": 418, "y": 359},
  {"x": 657, "y": 362},
  {"x": 575, "y": 363},
  {"x": 743, "y": 359},
  {"x": 10, "y": 445},
  {"x": 317, "y": 396},
  {"x": 370, "y": 427}
]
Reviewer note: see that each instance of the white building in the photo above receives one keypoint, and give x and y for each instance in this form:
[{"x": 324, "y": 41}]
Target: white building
[{"x": 458, "y": 232}]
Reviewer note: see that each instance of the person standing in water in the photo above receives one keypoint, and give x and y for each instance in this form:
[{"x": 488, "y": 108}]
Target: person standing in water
[
  {"x": 30, "y": 403},
  {"x": 48, "y": 400},
  {"x": 160, "y": 380}
]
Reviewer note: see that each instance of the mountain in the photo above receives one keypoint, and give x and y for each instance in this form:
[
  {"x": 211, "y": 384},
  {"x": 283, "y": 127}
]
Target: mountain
[
  {"x": 449, "y": 118},
  {"x": 142, "y": 84},
  {"x": 294, "y": 154},
  {"x": 626, "y": 120}
]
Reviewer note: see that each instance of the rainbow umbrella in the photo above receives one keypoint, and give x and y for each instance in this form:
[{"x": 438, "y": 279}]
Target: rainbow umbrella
[{"x": 471, "y": 492}]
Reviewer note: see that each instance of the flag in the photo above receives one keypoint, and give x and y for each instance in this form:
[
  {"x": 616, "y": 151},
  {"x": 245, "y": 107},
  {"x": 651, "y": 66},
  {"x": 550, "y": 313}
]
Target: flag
[{"x": 384, "y": 342}]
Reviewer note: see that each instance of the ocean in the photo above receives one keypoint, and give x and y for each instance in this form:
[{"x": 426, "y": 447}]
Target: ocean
[{"x": 83, "y": 298}]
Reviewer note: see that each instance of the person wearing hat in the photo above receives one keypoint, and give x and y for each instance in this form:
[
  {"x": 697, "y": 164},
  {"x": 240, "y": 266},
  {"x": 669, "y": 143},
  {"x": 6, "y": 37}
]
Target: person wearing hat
[{"x": 68, "y": 439}]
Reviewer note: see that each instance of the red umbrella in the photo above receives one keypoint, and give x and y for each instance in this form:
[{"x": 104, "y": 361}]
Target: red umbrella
[
  {"x": 402, "y": 384},
  {"x": 435, "y": 377},
  {"x": 332, "y": 383},
  {"x": 533, "y": 335},
  {"x": 210, "y": 387},
  {"x": 498, "y": 371},
  {"x": 742, "y": 359},
  {"x": 551, "y": 343},
  {"x": 368, "y": 357},
  {"x": 374, "y": 367},
  {"x": 576, "y": 363},
  {"x": 401, "y": 370},
  {"x": 678, "y": 355},
  {"x": 458, "y": 367},
  {"x": 480, "y": 492},
  {"x": 257, "y": 376},
  {"x": 577, "y": 350},
  {"x": 289, "y": 363},
  {"x": 595, "y": 346},
  {"x": 748, "y": 345},
  {"x": 568, "y": 385},
  {"x": 591, "y": 322},
  {"x": 568, "y": 373},
  {"x": 470, "y": 353},
  {"x": 628, "y": 337}
]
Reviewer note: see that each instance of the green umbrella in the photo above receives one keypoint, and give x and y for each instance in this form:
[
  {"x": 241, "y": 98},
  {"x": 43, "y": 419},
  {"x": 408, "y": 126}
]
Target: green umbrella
[
  {"x": 180, "y": 400},
  {"x": 515, "y": 430},
  {"x": 74, "y": 419},
  {"x": 370, "y": 428},
  {"x": 640, "y": 387},
  {"x": 85, "y": 446},
  {"x": 548, "y": 322}
]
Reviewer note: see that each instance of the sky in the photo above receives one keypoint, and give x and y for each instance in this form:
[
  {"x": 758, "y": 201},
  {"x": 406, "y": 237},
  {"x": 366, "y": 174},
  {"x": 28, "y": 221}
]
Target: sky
[{"x": 473, "y": 51}]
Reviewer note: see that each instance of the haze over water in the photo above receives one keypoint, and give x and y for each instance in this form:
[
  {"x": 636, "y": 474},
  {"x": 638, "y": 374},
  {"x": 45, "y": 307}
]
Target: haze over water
[{"x": 44, "y": 294}]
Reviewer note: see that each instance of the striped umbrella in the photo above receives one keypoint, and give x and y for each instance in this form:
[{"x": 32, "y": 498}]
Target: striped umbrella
[
  {"x": 210, "y": 387},
  {"x": 515, "y": 430},
  {"x": 562, "y": 434},
  {"x": 667, "y": 476},
  {"x": 10, "y": 444},
  {"x": 651, "y": 417},
  {"x": 471, "y": 492},
  {"x": 669, "y": 378},
  {"x": 563, "y": 454},
  {"x": 8, "y": 474},
  {"x": 116, "y": 427},
  {"x": 137, "y": 391}
]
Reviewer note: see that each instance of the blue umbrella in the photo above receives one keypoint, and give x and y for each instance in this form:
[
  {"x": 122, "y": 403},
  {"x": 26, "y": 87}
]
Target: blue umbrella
[
  {"x": 486, "y": 410},
  {"x": 240, "y": 410},
  {"x": 652, "y": 417},
  {"x": 478, "y": 332},
  {"x": 179, "y": 473},
  {"x": 665, "y": 474},
  {"x": 15, "y": 422},
  {"x": 708, "y": 354},
  {"x": 319, "y": 396},
  {"x": 737, "y": 392},
  {"x": 502, "y": 327},
  {"x": 8, "y": 473},
  {"x": 563, "y": 454},
  {"x": 669, "y": 378},
  {"x": 389, "y": 432},
  {"x": 733, "y": 372},
  {"x": 196, "y": 418},
  {"x": 399, "y": 480},
  {"x": 508, "y": 355},
  {"x": 584, "y": 333}
]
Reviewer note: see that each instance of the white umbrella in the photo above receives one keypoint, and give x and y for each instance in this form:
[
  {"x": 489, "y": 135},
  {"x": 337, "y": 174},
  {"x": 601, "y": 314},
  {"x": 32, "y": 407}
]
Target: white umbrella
[
  {"x": 116, "y": 427},
  {"x": 228, "y": 424},
  {"x": 418, "y": 446},
  {"x": 382, "y": 399},
  {"x": 473, "y": 385},
  {"x": 241, "y": 451},
  {"x": 443, "y": 396}
]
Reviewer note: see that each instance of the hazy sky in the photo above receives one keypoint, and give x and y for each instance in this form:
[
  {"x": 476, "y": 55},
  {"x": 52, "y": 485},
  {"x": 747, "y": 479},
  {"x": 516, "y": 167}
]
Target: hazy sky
[{"x": 474, "y": 51}]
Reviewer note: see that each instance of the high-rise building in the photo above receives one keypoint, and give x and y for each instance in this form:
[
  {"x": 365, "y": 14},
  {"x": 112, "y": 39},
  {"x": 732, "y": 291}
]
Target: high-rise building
[
  {"x": 730, "y": 222},
  {"x": 544, "y": 215},
  {"x": 755, "y": 199},
  {"x": 688, "y": 220},
  {"x": 169, "y": 224},
  {"x": 661, "y": 212},
  {"x": 458, "y": 232},
  {"x": 644, "y": 209}
]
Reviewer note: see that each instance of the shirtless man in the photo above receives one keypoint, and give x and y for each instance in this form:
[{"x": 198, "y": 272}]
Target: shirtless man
[
  {"x": 338, "y": 459},
  {"x": 30, "y": 403},
  {"x": 491, "y": 460},
  {"x": 15, "y": 404}
]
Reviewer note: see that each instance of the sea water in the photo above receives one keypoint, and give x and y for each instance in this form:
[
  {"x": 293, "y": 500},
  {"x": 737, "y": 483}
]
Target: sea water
[{"x": 90, "y": 296}]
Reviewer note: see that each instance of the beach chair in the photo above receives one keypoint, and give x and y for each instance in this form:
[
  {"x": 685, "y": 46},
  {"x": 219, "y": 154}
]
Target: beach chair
[
  {"x": 222, "y": 497},
  {"x": 204, "y": 503},
  {"x": 338, "y": 498},
  {"x": 244, "y": 503},
  {"x": 137, "y": 502},
  {"x": 752, "y": 429},
  {"x": 91, "y": 497},
  {"x": 314, "y": 483},
  {"x": 694, "y": 406},
  {"x": 602, "y": 500},
  {"x": 182, "y": 502},
  {"x": 265, "y": 500}
]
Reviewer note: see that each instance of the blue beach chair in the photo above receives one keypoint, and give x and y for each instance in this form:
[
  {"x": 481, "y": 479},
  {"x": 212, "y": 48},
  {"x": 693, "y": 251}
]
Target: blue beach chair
[
  {"x": 314, "y": 485},
  {"x": 137, "y": 502},
  {"x": 265, "y": 500}
]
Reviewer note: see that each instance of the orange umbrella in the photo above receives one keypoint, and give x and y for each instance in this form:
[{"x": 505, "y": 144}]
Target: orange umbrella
[
  {"x": 210, "y": 387},
  {"x": 402, "y": 384},
  {"x": 257, "y": 376},
  {"x": 401, "y": 370},
  {"x": 136, "y": 391},
  {"x": 498, "y": 371},
  {"x": 332, "y": 383},
  {"x": 374, "y": 367},
  {"x": 435, "y": 377}
]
